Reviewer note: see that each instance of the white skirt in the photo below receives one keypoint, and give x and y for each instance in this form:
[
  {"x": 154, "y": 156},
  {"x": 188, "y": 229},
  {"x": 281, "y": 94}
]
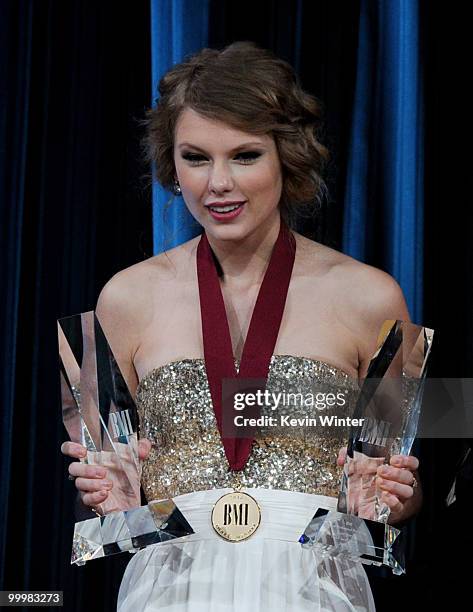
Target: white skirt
[{"x": 270, "y": 571}]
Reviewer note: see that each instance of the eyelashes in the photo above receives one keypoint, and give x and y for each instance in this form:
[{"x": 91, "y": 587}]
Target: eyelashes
[
  {"x": 245, "y": 157},
  {"x": 248, "y": 156}
]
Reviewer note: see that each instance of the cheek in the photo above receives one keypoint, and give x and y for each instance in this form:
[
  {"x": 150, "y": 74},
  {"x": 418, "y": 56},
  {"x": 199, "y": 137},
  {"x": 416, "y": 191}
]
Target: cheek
[
  {"x": 192, "y": 180},
  {"x": 267, "y": 182}
]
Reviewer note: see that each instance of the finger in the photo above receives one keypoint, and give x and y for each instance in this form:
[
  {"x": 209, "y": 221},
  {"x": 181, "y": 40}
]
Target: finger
[
  {"x": 74, "y": 450},
  {"x": 144, "y": 448},
  {"x": 395, "y": 505},
  {"x": 406, "y": 461},
  {"x": 86, "y": 471},
  {"x": 401, "y": 491},
  {"x": 342, "y": 454},
  {"x": 401, "y": 475},
  {"x": 92, "y": 499},
  {"x": 87, "y": 485}
]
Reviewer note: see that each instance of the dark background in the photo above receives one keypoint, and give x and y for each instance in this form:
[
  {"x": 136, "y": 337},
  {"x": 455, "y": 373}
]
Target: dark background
[{"x": 75, "y": 208}]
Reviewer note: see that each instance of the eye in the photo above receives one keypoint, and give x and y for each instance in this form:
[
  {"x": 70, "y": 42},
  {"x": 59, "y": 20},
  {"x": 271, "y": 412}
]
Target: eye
[
  {"x": 247, "y": 157},
  {"x": 244, "y": 157},
  {"x": 194, "y": 158}
]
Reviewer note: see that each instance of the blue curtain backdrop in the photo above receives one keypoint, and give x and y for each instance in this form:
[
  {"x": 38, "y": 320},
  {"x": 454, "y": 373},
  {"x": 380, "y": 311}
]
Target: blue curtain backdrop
[
  {"x": 178, "y": 28},
  {"x": 383, "y": 221}
]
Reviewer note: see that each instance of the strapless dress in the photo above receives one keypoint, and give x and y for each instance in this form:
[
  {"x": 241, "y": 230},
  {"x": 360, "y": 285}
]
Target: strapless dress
[{"x": 290, "y": 476}]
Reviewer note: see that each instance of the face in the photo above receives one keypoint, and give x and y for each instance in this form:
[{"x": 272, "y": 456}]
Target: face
[{"x": 231, "y": 181}]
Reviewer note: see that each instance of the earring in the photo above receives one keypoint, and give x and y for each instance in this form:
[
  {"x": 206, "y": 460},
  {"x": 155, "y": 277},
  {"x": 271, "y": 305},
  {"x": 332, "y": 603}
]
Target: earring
[{"x": 176, "y": 189}]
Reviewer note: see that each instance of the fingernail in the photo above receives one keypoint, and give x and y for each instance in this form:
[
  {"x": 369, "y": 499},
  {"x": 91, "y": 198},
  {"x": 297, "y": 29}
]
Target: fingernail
[
  {"x": 100, "y": 473},
  {"x": 107, "y": 484}
]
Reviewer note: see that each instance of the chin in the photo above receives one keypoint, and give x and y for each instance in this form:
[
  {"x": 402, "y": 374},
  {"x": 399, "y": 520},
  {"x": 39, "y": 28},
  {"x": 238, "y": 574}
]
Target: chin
[{"x": 227, "y": 231}]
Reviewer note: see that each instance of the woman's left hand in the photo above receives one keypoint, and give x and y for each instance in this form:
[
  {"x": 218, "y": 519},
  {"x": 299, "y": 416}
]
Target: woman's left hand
[
  {"x": 399, "y": 486},
  {"x": 396, "y": 484}
]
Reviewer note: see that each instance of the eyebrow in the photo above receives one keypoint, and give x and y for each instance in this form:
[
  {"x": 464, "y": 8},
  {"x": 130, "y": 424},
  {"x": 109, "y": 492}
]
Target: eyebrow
[{"x": 238, "y": 148}]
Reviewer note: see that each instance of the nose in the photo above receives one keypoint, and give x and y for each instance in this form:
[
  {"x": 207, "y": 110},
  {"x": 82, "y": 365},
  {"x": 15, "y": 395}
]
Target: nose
[{"x": 220, "y": 179}]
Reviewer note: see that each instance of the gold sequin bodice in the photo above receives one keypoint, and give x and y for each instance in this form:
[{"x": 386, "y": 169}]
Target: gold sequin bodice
[{"x": 176, "y": 414}]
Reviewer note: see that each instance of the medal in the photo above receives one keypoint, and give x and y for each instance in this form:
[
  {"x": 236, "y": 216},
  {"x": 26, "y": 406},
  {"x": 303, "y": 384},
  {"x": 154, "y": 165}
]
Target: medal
[{"x": 236, "y": 515}]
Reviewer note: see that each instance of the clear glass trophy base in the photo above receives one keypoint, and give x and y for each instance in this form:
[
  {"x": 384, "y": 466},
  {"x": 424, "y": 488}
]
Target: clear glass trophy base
[
  {"x": 128, "y": 530},
  {"x": 335, "y": 533}
]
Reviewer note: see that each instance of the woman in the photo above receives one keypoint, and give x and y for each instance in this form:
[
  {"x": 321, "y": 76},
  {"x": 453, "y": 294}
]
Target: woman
[{"x": 235, "y": 135}]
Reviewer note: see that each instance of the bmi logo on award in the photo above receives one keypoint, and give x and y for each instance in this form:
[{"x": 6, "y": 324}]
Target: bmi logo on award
[
  {"x": 236, "y": 516},
  {"x": 120, "y": 423}
]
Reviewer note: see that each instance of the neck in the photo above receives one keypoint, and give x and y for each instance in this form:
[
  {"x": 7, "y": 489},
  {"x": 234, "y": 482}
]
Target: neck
[{"x": 244, "y": 262}]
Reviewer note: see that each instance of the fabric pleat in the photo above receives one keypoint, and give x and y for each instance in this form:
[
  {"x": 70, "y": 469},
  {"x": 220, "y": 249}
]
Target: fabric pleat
[{"x": 269, "y": 571}]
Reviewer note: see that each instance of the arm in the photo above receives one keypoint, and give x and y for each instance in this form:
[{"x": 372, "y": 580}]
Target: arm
[{"x": 376, "y": 297}]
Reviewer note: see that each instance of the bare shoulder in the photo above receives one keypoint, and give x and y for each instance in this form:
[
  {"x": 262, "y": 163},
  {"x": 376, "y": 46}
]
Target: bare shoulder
[
  {"x": 131, "y": 290},
  {"x": 367, "y": 298},
  {"x": 360, "y": 297},
  {"x": 355, "y": 286},
  {"x": 369, "y": 291},
  {"x": 130, "y": 299},
  {"x": 130, "y": 302}
]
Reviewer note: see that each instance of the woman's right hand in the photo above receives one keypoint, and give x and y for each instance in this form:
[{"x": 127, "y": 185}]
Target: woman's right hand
[{"x": 91, "y": 480}]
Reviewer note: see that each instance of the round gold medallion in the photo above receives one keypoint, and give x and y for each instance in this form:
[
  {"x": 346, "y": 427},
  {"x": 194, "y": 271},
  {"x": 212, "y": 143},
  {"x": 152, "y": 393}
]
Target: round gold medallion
[{"x": 236, "y": 516}]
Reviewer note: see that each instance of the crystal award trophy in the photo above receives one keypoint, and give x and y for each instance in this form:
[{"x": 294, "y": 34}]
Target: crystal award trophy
[
  {"x": 387, "y": 412},
  {"x": 98, "y": 412}
]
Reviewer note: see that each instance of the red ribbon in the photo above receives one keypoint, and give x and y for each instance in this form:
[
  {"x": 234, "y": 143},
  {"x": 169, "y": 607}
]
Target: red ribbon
[{"x": 262, "y": 333}]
